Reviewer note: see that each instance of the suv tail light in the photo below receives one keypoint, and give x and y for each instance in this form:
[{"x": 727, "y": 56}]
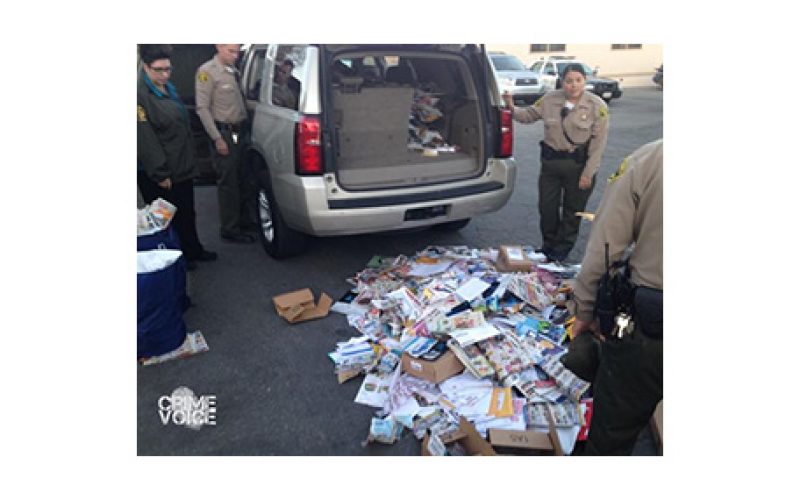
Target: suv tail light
[
  {"x": 505, "y": 147},
  {"x": 308, "y": 146}
]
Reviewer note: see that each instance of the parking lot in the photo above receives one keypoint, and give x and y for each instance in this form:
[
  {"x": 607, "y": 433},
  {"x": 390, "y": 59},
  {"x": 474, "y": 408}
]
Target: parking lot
[{"x": 275, "y": 388}]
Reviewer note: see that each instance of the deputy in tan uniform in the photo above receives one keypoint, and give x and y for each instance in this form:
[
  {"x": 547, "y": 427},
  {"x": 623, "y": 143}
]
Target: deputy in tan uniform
[
  {"x": 628, "y": 381},
  {"x": 575, "y": 133},
  {"x": 221, "y": 108}
]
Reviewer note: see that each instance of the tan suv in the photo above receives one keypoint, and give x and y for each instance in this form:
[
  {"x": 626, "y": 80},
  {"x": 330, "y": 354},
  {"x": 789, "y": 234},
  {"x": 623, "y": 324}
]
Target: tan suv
[{"x": 383, "y": 137}]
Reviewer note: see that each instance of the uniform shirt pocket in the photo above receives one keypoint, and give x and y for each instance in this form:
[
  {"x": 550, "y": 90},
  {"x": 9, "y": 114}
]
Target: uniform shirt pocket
[
  {"x": 583, "y": 125},
  {"x": 581, "y": 130},
  {"x": 227, "y": 92}
]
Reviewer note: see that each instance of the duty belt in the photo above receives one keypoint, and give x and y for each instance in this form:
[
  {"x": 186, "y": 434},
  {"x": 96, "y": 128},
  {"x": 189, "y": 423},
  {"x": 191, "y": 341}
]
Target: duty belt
[
  {"x": 649, "y": 309},
  {"x": 646, "y": 316},
  {"x": 548, "y": 153},
  {"x": 233, "y": 127}
]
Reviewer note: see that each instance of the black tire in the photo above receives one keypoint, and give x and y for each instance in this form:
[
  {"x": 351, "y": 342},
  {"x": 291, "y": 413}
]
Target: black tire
[
  {"x": 453, "y": 226},
  {"x": 278, "y": 239}
]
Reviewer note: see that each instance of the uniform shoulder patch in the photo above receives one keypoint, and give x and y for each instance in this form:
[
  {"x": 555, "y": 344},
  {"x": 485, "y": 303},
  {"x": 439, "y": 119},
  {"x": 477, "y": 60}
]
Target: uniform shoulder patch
[
  {"x": 202, "y": 76},
  {"x": 140, "y": 113},
  {"x": 620, "y": 171},
  {"x": 603, "y": 111},
  {"x": 538, "y": 102}
]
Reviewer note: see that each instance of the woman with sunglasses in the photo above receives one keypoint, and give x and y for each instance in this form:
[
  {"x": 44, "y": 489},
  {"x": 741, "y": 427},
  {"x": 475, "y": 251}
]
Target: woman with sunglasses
[
  {"x": 165, "y": 149},
  {"x": 575, "y": 133}
]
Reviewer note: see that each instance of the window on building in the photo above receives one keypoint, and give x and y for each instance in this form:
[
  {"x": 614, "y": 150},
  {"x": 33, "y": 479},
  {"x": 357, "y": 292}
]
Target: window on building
[
  {"x": 548, "y": 47},
  {"x": 625, "y": 46}
]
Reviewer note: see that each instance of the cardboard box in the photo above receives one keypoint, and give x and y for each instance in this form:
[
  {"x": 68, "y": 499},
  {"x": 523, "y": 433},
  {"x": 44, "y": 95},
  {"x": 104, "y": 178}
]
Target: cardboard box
[
  {"x": 433, "y": 371},
  {"x": 525, "y": 442},
  {"x": 299, "y": 306},
  {"x": 512, "y": 258},
  {"x": 467, "y": 436}
]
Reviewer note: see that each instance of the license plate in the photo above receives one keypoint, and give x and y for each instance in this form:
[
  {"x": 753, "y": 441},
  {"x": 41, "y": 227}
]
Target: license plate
[
  {"x": 606, "y": 95},
  {"x": 425, "y": 213}
]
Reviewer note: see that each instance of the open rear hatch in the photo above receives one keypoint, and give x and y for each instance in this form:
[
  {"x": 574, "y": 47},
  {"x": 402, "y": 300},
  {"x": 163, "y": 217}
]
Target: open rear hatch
[{"x": 404, "y": 115}]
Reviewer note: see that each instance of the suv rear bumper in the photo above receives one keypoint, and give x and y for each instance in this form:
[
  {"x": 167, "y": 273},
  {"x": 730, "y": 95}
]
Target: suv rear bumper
[{"x": 317, "y": 206}]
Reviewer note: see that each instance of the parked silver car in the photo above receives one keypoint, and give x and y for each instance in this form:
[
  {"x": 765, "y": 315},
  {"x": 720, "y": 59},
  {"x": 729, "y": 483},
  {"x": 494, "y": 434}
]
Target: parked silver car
[
  {"x": 549, "y": 73},
  {"x": 513, "y": 77},
  {"x": 381, "y": 137}
]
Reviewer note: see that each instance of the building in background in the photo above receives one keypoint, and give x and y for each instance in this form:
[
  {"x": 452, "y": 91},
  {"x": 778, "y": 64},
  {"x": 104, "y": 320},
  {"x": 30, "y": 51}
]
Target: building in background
[{"x": 633, "y": 64}]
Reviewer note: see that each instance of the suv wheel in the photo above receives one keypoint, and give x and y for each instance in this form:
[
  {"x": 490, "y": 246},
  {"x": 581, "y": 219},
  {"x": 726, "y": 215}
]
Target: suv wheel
[{"x": 278, "y": 239}]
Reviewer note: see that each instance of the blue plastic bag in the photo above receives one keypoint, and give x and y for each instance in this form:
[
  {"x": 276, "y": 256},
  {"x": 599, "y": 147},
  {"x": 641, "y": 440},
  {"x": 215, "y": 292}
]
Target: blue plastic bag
[
  {"x": 161, "y": 295},
  {"x": 166, "y": 239}
]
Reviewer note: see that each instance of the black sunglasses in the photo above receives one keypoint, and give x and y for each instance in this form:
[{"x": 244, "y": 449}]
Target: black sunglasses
[{"x": 166, "y": 69}]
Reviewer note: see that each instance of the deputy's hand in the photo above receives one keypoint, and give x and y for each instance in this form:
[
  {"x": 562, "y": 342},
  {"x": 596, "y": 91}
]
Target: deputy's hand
[
  {"x": 509, "y": 100},
  {"x": 166, "y": 184},
  {"x": 585, "y": 182},
  {"x": 580, "y": 326},
  {"x": 222, "y": 146}
]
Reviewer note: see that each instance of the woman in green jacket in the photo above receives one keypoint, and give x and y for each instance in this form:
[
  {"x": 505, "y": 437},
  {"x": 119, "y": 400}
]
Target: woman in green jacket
[{"x": 165, "y": 148}]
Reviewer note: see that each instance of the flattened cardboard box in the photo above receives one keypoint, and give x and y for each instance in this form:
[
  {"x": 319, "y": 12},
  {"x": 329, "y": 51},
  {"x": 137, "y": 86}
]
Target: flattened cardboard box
[
  {"x": 469, "y": 438},
  {"x": 299, "y": 306},
  {"x": 433, "y": 371},
  {"x": 512, "y": 258}
]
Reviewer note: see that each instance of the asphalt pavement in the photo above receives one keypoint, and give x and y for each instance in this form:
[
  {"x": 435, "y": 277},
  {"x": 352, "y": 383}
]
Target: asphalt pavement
[{"x": 276, "y": 393}]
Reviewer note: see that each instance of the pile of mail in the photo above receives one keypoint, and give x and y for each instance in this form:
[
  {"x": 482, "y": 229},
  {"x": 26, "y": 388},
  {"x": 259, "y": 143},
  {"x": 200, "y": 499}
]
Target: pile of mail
[
  {"x": 445, "y": 335},
  {"x": 424, "y": 124}
]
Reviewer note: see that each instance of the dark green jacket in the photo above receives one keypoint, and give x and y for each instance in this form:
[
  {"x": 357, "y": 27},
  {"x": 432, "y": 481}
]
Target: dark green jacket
[{"x": 165, "y": 148}]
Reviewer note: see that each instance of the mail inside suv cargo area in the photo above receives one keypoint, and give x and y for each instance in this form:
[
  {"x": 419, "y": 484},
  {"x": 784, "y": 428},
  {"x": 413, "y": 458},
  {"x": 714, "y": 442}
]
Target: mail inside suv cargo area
[{"x": 413, "y": 118}]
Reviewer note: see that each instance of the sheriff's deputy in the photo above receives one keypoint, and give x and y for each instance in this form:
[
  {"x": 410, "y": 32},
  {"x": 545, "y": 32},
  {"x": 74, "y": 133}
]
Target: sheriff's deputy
[
  {"x": 575, "y": 133},
  {"x": 628, "y": 382},
  {"x": 221, "y": 108}
]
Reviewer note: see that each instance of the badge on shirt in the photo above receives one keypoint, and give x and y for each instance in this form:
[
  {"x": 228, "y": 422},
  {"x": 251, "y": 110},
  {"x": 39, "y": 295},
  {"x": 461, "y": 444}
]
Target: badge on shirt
[
  {"x": 202, "y": 76},
  {"x": 621, "y": 170},
  {"x": 140, "y": 114}
]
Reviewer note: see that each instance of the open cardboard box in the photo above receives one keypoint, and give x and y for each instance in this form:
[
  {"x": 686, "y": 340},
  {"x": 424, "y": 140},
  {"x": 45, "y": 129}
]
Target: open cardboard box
[
  {"x": 511, "y": 258},
  {"x": 525, "y": 442},
  {"x": 467, "y": 436},
  {"x": 433, "y": 371},
  {"x": 299, "y": 305}
]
